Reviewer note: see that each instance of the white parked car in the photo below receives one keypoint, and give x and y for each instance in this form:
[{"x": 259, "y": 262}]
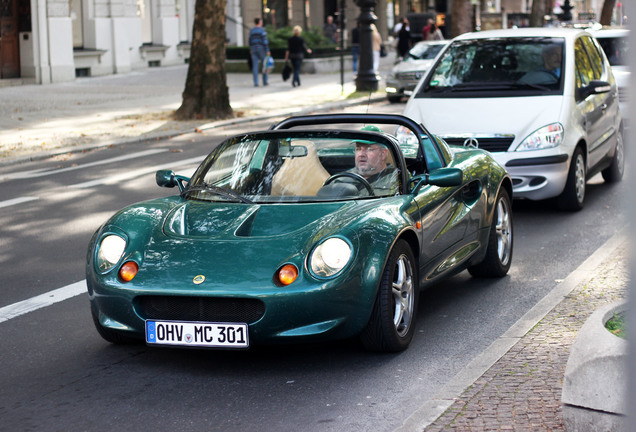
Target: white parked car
[
  {"x": 407, "y": 72},
  {"x": 543, "y": 101},
  {"x": 615, "y": 43}
]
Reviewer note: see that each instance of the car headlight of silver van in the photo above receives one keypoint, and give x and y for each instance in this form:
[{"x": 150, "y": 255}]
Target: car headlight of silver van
[{"x": 547, "y": 137}]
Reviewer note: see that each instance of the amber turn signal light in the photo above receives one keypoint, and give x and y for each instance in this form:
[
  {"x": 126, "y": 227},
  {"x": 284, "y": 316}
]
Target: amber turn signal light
[
  {"x": 287, "y": 274},
  {"x": 128, "y": 271}
]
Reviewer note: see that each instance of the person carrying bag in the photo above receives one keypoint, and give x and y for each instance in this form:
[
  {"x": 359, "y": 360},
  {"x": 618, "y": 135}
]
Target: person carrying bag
[{"x": 296, "y": 49}]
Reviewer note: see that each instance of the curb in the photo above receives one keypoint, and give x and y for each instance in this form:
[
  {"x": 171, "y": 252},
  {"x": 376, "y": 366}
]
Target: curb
[
  {"x": 433, "y": 408},
  {"x": 207, "y": 126}
]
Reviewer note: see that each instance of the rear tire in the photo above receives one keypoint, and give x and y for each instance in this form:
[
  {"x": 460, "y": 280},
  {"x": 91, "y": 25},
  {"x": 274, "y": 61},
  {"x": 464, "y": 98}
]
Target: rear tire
[
  {"x": 498, "y": 257},
  {"x": 573, "y": 196},
  {"x": 614, "y": 173},
  {"x": 392, "y": 322}
]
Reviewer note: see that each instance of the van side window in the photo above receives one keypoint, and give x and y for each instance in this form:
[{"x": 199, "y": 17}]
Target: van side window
[
  {"x": 584, "y": 71},
  {"x": 595, "y": 57}
]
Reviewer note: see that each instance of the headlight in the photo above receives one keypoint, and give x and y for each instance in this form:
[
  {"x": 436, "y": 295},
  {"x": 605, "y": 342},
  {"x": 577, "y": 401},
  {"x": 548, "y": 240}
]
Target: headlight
[
  {"x": 547, "y": 137},
  {"x": 110, "y": 252},
  {"x": 330, "y": 256}
]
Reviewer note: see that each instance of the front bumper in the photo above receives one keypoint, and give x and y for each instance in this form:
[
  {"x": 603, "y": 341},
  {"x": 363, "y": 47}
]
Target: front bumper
[
  {"x": 334, "y": 309},
  {"x": 537, "y": 177}
]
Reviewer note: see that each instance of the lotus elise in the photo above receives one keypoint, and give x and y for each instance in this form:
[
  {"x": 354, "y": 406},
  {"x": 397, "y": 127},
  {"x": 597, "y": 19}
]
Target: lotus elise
[{"x": 323, "y": 227}]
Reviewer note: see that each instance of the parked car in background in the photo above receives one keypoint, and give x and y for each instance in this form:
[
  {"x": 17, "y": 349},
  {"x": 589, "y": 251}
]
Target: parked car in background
[
  {"x": 306, "y": 232},
  {"x": 544, "y": 102},
  {"x": 615, "y": 43},
  {"x": 407, "y": 72}
]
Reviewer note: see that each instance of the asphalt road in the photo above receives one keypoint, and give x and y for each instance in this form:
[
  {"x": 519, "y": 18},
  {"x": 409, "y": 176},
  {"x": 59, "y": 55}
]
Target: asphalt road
[{"x": 58, "y": 374}]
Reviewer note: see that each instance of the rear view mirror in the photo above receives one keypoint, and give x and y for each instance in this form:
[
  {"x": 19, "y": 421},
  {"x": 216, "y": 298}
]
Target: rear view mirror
[{"x": 292, "y": 151}]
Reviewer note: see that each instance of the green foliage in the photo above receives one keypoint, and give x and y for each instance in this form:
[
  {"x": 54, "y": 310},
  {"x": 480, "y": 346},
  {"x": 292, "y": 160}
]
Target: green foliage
[
  {"x": 617, "y": 325},
  {"x": 320, "y": 45},
  {"x": 313, "y": 37}
]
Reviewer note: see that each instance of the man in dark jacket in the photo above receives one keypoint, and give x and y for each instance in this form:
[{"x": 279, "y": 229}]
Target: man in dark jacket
[{"x": 259, "y": 50}]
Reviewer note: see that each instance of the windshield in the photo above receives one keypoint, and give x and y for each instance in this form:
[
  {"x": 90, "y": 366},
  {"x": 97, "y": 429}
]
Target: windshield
[
  {"x": 497, "y": 67},
  {"x": 288, "y": 167},
  {"x": 425, "y": 51}
]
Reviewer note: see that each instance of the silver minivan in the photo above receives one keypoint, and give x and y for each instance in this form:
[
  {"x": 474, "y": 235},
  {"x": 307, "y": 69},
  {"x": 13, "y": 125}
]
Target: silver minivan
[{"x": 543, "y": 101}]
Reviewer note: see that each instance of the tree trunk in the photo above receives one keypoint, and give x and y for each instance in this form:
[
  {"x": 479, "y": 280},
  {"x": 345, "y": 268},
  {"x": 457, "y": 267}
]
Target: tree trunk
[
  {"x": 606, "y": 12},
  {"x": 537, "y": 13},
  {"x": 206, "y": 94},
  {"x": 462, "y": 17}
]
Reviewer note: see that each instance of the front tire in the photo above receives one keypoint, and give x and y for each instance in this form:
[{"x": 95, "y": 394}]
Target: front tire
[
  {"x": 498, "y": 257},
  {"x": 614, "y": 173},
  {"x": 392, "y": 322},
  {"x": 573, "y": 196}
]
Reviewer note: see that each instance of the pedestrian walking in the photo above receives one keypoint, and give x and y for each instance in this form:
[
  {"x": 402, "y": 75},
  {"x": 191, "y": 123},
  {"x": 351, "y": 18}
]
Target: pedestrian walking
[
  {"x": 397, "y": 27},
  {"x": 296, "y": 49},
  {"x": 435, "y": 33},
  {"x": 377, "y": 46},
  {"x": 404, "y": 39},
  {"x": 259, "y": 50},
  {"x": 426, "y": 30},
  {"x": 330, "y": 29},
  {"x": 355, "y": 47}
]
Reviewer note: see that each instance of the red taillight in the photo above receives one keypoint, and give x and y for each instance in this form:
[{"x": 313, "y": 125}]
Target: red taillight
[
  {"x": 128, "y": 271},
  {"x": 287, "y": 274}
]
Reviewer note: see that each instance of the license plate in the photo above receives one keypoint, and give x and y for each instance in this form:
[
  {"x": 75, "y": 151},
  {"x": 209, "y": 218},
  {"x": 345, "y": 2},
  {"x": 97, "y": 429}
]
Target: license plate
[{"x": 197, "y": 334}]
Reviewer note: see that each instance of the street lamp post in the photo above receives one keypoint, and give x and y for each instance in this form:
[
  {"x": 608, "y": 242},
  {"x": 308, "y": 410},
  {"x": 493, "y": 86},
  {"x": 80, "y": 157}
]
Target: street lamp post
[{"x": 366, "y": 80}]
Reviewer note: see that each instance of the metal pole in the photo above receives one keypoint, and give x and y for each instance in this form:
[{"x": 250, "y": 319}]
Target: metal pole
[{"x": 366, "y": 80}]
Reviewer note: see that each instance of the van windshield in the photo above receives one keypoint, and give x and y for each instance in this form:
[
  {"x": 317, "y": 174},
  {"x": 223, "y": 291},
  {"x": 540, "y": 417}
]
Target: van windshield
[{"x": 498, "y": 67}]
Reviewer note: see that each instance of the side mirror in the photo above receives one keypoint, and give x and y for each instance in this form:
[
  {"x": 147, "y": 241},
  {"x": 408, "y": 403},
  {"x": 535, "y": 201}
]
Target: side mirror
[
  {"x": 442, "y": 177},
  {"x": 594, "y": 87},
  {"x": 165, "y": 178},
  {"x": 168, "y": 179}
]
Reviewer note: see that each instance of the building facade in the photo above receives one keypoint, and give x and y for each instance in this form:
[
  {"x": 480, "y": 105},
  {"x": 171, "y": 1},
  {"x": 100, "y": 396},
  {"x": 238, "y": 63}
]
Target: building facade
[{"x": 48, "y": 41}]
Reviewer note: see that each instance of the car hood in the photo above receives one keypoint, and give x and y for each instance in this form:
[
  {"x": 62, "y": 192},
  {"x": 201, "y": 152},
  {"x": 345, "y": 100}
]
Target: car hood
[
  {"x": 215, "y": 221},
  {"x": 518, "y": 116},
  {"x": 412, "y": 66},
  {"x": 236, "y": 246}
]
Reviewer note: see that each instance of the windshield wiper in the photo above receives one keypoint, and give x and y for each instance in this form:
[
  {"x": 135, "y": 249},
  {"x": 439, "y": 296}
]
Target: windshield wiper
[
  {"x": 533, "y": 86},
  {"x": 487, "y": 86},
  {"x": 219, "y": 191}
]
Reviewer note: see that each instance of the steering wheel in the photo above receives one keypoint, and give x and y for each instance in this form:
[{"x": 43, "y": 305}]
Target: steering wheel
[{"x": 354, "y": 176}]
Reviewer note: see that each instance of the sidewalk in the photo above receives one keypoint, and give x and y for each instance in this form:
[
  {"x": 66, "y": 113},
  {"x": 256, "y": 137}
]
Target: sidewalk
[
  {"x": 90, "y": 112},
  {"x": 514, "y": 385}
]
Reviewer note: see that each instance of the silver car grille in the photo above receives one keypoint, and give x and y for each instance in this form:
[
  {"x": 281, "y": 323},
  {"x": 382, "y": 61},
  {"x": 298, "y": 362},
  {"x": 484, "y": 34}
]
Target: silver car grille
[
  {"x": 409, "y": 76},
  {"x": 491, "y": 144}
]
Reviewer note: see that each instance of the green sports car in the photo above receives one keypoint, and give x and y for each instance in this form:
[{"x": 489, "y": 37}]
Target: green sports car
[{"x": 313, "y": 230}]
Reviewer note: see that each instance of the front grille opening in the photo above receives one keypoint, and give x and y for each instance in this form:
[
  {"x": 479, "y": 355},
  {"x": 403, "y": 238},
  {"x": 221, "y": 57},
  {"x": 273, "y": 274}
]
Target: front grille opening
[
  {"x": 536, "y": 181},
  {"x": 208, "y": 309}
]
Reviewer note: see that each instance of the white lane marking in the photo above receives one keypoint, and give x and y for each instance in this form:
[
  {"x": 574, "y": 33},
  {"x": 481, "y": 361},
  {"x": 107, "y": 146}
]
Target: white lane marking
[
  {"x": 29, "y": 305},
  {"x": 45, "y": 172},
  {"x": 15, "y": 201},
  {"x": 136, "y": 173}
]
